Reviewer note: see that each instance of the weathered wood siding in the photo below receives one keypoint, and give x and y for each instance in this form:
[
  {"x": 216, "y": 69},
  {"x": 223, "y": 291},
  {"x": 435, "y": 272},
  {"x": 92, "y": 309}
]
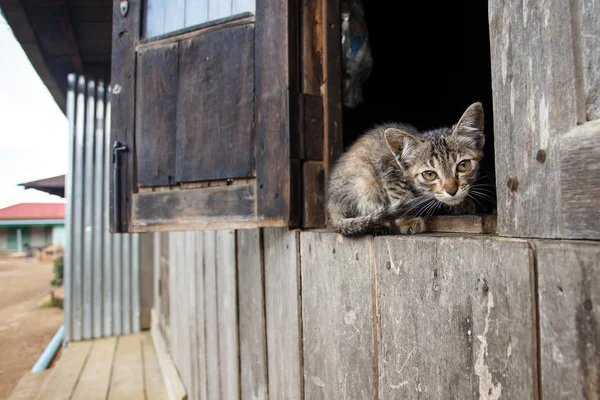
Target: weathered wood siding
[
  {"x": 314, "y": 315},
  {"x": 546, "y": 81}
]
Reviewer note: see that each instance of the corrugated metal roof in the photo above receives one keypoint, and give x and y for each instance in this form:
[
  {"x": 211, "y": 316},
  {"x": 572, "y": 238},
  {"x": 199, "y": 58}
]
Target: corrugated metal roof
[
  {"x": 33, "y": 211},
  {"x": 54, "y": 185}
]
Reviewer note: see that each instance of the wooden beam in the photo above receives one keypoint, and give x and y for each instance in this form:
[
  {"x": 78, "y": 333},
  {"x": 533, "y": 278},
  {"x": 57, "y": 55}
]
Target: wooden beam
[
  {"x": 168, "y": 369},
  {"x": 462, "y": 224}
]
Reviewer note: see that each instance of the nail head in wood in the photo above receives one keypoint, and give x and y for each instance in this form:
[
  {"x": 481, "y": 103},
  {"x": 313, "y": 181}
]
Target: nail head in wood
[
  {"x": 513, "y": 184},
  {"x": 541, "y": 156}
]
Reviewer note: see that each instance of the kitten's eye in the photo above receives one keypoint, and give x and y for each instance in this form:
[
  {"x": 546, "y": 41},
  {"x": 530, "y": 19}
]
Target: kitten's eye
[
  {"x": 463, "y": 165},
  {"x": 429, "y": 175}
]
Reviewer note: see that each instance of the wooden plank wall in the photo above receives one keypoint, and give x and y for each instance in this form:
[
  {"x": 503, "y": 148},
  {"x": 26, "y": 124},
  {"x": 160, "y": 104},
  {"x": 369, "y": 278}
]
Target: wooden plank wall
[
  {"x": 165, "y": 16},
  {"x": 546, "y": 82},
  {"x": 273, "y": 313}
]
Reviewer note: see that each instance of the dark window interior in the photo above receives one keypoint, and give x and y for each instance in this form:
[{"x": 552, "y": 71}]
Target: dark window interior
[{"x": 430, "y": 62}]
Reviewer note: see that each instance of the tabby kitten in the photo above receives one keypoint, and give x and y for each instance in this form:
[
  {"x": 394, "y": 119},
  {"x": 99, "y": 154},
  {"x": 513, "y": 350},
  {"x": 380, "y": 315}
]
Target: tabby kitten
[{"x": 394, "y": 175}]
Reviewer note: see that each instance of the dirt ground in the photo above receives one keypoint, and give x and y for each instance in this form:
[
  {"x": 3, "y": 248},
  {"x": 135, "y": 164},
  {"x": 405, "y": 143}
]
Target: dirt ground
[{"x": 26, "y": 326}]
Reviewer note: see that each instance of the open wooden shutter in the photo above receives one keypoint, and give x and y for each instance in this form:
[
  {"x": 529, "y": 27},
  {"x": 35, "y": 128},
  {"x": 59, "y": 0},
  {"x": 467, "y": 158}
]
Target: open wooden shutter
[{"x": 201, "y": 120}]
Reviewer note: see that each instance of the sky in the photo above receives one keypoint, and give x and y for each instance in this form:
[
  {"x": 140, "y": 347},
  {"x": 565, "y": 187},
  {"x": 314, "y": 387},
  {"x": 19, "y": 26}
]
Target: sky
[{"x": 33, "y": 130}]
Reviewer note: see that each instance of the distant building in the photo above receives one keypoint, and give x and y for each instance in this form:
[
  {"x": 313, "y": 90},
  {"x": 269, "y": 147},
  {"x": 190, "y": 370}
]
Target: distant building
[{"x": 33, "y": 224}]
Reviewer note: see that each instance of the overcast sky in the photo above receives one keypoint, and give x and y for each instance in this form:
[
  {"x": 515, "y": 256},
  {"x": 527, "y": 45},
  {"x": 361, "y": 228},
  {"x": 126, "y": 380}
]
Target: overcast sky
[{"x": 33, "y": 130}]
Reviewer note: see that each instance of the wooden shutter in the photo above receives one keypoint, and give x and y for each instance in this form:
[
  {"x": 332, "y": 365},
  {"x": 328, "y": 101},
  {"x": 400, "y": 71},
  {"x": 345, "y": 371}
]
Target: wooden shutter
[{"x": 204, "y": 115}]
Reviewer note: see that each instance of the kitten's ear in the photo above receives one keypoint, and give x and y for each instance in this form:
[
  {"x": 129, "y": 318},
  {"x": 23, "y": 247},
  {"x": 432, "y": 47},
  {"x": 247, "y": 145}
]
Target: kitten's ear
[
  {"x": 400, "y": 142},
  {"x": 470, "y": 126}
]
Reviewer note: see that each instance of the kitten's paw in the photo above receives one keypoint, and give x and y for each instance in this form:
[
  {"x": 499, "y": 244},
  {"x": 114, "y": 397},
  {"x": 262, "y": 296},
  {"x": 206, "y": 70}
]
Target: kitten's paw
[{"x": 410, "y": 226}]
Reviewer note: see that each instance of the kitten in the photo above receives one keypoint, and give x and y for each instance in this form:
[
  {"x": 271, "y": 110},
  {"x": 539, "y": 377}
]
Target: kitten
[{"x": 393, "y": 175}]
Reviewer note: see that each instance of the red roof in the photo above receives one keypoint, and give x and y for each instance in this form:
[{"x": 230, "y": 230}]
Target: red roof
[{"x": 33, "y": 211}]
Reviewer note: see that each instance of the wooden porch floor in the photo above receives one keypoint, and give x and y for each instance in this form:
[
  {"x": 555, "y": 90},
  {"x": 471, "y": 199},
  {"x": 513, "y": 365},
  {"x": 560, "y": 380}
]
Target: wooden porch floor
[{"x": 117, "y": 368}]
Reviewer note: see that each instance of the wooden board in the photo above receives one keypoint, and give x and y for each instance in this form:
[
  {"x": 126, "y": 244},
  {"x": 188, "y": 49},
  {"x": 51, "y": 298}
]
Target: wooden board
[
  {"x": 312, "y": 46},
  {"x": 227, "y": 314},
  {"x": 589, "y": 20},
  {"x": 163, "y": 284},
  {"x": 156, "y": 128},
  {"x": 211, "y": 313},
  {"x": 125, "y": 34},
  {"x": 154, "y": 385},
  {"x": 535, "y": 96},
  {"x": 337, "y": 317},
  {"x": 29, "y": 385},
  {"x": 313, "y": 195},
  {"x": 569, "y": 298},
  {"x": 215, "y": 105},
  {"x": 273, "y": 42},
  {"x": 168, "y": 369},
  {"x": 127, "y": 380},
  {"x": 96, "y": 374},
  {"x": 146, "y": 277},
  {"x": 196, "y": 314},
  {"x": 312, "y": 127},
  {"x": 580, "y": 186},
  {"x": 283, "y": 313},
  {"x": 332, "y": 82},
  {"x": 461, "y": 224},
  {"x": 65, "y": 374},
  {"x": 251, "y": 303},
  {"x": 197, "y": 208},
  {"x": 455, "y": 318}
]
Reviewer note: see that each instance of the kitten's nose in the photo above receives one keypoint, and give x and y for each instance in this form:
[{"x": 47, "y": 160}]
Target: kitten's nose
[{"x": 451, "y": 187}]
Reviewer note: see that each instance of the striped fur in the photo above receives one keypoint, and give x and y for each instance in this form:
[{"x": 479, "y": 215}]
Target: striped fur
[{"x": 378, "y": 184}]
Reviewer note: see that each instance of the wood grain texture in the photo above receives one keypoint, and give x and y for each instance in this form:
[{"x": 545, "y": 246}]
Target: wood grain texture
[
  {"x": 461, "y": 224},
  {"x": 164, "y": 277},
  {"x": 65, "y": 374},
  {"x": 332, "y": 83},
  {"x": 29, "y": 385},
  {"x": 312, "y": 46},
  {"x": 339, "y": 354},
  {"x": 252, "y": 328},
  {"x": 147, "y": 277},
  {"x": 227, "y": 314},
  {"x": 211, "y": 312},
  {"x": 168, "y": 370},
  {"x": 283, "y": 314},
  {"x": 156, "y": 126},
  {"x": 580, "y": 186},
  {"x": 198, "y": 331},
  {"x": 271, "y": 58},
  {"x": 312, "y": 127},
  {"x": 535, "y": 96},
  {"x": 455, "y": 318},
  {"x": 313, "y": 195},
  {"x": 126, "y": 32},
  {"x": 215, "y": 105},
  {"x": 183, "y": 208},
  {"x": 127, "y": 379},
  {"x": 95, "y": 377},
  {"x": 569, "y": 294},
  {"x": 589, "y": 20},
  {"x": 155, "y": 388}
]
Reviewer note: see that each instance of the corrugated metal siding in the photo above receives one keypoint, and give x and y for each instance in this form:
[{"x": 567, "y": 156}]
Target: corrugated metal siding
[{"x": 101, "y": 269}]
